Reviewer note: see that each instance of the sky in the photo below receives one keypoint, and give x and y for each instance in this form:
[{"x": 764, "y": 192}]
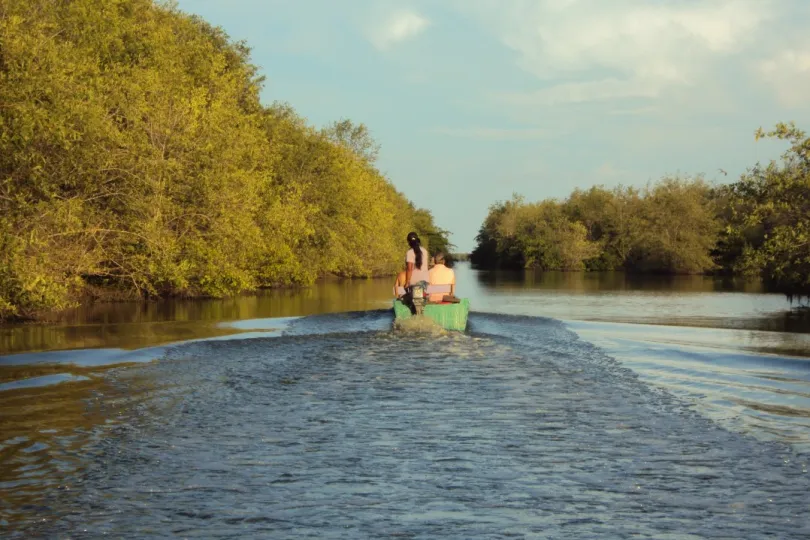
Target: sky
[{"x": 474, "y": 100}]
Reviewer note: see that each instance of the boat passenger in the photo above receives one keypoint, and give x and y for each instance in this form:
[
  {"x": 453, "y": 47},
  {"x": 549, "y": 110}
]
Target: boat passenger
[
  {"x": 417, "y": 275},
  {"x": 416, "y": 260},
  {"x": 399, "y": 283},
  {"x": 441, "y": 275}
]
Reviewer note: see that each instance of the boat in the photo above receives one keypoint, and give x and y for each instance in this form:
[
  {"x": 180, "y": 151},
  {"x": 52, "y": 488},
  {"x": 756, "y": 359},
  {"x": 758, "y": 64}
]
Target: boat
[{"x": 448, "y": 315}]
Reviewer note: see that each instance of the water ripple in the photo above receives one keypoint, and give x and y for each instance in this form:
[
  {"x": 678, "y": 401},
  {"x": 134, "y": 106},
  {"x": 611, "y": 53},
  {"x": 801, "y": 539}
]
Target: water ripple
[{"x": 344, "y": 429}]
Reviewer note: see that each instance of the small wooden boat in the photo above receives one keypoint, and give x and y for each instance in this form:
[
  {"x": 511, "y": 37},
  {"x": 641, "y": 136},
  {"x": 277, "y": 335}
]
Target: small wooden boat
[{"x": 448, "y": 315}]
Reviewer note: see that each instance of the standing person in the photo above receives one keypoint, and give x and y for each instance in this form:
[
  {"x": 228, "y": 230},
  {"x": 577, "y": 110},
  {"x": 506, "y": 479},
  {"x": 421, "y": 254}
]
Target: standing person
[
  {"x": 417, "y": 276},
  {"x": 441, "y": 275}
]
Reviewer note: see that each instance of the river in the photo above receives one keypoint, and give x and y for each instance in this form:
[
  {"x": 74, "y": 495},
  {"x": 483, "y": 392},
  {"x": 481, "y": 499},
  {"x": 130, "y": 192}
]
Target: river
[{"x": 575, "y": 405}]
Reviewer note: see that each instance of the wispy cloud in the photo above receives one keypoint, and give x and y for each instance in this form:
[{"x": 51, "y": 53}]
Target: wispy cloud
[
  {"x": 633, "y": 111},
  {"x": 592, "y": 50},
  {"x": 580, "y": 92},
  {"x": 609, "y": 171},
  {"x": 395, "y": 28},
  {"x": 788, "y": 72},
  {"x": 495, "y": 134}
]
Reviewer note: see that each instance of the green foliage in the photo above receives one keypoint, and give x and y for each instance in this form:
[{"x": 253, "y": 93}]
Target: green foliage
[
  {"x": 669, "y": 227},
  {"x": 135, "y": 154},
  {"x": 356, "y": 138},
  {"x": 433, "y": 238},
  {"x": 544, "y": 236},
  {"x": 29, "y": 280},
  {"x": 767, "y": 215},
  {"x": 612, "y": 219},
  {"x": 678, "y": 228},
  {"x": 757, "y": 226}
]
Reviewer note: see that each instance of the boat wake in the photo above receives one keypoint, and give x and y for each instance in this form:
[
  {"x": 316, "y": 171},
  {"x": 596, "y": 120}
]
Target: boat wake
[{"x": 343, "y": 425}]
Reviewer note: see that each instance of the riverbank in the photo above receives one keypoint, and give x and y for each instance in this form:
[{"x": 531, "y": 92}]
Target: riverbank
[
  {"x": 110, "y": 299},
  {"x": 163, "y": 174}
]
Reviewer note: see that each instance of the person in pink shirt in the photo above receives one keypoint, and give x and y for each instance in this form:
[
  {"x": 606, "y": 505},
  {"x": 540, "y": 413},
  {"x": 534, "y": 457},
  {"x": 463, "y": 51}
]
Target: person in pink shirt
[
  {"x": 441, "y": 275},
  {"x": 417, "y": 276},
  {"x": 416, "y": 260}
]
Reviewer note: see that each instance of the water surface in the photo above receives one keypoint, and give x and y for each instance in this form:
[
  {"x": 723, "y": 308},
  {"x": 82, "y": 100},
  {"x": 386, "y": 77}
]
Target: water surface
[{"x": 574, "y": 406}]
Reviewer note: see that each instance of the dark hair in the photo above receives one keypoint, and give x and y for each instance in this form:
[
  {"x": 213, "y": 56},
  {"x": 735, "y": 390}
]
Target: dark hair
[
  {"x": 438, "y": 258},
  {"x": 413, "y": 241}
]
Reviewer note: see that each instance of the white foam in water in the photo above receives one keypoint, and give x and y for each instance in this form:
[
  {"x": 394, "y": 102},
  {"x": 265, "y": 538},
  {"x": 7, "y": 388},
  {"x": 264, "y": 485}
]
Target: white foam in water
[
  {"x": 45, "y": 380},
  {"x": 276, "y": 324},
  {"x": 419, "y": 325}
]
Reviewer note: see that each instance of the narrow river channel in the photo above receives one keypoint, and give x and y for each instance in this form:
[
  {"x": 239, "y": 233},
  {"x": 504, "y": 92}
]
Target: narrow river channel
[{"x": 574, "y": 406}]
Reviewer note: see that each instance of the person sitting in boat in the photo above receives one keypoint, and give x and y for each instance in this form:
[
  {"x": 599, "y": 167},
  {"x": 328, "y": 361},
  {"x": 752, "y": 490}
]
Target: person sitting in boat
[
  {"x": 416, "y": 272},
  {"x": 399, "y": 283},
  {"x": 440, "y": 275}
]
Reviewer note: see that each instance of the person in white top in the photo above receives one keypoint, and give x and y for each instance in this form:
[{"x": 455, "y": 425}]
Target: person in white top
[
  {"x": 441, "y": 275},
  {"x": 417, "y": 276},
  {"x": 416, "y": 260}
]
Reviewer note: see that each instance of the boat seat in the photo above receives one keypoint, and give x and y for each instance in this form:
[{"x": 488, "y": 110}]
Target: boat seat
[
  {"x": 436, "y": 289},
  {"x": 431, "y": 289}
]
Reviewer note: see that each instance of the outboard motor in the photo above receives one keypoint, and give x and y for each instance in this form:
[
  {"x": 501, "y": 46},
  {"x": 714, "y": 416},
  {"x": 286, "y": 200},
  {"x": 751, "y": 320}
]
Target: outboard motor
[{"x": 418, "y": 298}]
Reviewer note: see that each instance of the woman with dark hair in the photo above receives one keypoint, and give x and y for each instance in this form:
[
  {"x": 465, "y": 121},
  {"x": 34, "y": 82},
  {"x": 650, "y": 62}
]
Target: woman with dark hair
[
  {"x": 417, "y": 261},
  {"x": 417, "y": 275}
]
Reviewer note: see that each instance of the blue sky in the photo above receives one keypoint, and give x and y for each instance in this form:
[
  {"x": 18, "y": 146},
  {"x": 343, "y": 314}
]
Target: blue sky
[{"x": 473, "y": 100}]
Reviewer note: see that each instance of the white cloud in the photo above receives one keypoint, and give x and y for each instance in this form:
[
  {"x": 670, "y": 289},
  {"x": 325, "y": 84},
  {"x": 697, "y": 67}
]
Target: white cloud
[
  {"x": 396, "y": 28},
  {"x": 609, "y": 171},
  {"x": 594, "y": 50},
  {"x": 632, "y": 111},
  {"x": 579, "y": 92},
  {"x": 788, "y": 72},
  {"x": 496, "y": 134}
]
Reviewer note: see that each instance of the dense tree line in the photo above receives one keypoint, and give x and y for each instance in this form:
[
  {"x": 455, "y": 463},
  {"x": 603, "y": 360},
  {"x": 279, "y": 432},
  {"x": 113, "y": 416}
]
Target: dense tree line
[
  {"x": 756, "y": 226},
  {"x": 136, "y": 159}
]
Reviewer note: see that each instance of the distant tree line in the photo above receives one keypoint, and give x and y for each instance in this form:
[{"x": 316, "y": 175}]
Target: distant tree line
[
  {"x": 757, "y": 226},
  {"x": 136, "y": 160}
]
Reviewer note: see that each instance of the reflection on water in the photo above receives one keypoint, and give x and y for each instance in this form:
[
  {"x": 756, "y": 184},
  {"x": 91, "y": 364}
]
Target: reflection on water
[
  {"x": 697, "y": 301},
  {"x": 605, "y": 296},
  {"x": 89, "y": 336},
  {"x": 328, "y": 296},
  {"x": 46, "y": 438},
  {"x": 133, "y": 325},
  {"x": 614, "y": 281},
  {"x": 304, "y": 412}
]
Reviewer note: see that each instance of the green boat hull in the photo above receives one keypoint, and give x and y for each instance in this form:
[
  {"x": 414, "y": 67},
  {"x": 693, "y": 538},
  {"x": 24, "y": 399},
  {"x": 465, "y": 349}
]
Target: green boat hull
[{"x": 448, "y": 316}]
